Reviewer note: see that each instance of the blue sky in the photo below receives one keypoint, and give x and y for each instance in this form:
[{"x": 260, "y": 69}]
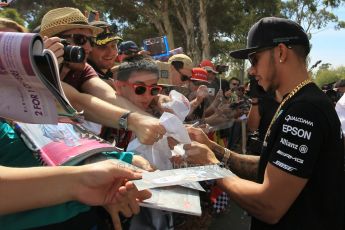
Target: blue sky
[{"x": 328, "y": 45}]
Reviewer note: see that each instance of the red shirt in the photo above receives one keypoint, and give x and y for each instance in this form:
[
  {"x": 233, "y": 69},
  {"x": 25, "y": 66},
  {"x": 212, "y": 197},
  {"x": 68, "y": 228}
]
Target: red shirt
[{"x": 77, "y": 78}]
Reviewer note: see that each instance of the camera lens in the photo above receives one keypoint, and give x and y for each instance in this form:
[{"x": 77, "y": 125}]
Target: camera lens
[{"x": 74, "y": 54}]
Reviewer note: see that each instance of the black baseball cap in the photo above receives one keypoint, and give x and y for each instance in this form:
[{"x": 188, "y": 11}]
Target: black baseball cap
[
  {"x": 107, "y": 35},
  {"x": 128, "y": 47},
  {"x": 271, "y": 31}
]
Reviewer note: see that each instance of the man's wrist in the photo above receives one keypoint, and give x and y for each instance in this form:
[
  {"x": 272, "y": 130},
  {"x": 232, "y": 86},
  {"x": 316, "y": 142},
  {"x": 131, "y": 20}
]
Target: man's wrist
[
  {"x": 217, "y": 149},
  {"x": 221, "y": 153},
  {"x": 226, "y": 157},
  {"x": 132, "y": 118},
  {"x": 78, "y": 173},
  {"x": 123, "y": 121}
]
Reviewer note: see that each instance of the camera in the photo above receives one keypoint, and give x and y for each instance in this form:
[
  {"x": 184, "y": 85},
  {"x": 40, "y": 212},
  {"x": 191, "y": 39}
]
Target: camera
[
  {"x": 211, "y": 91},
  {"x": 222, "y": 68},
  {"x": 74, "y": 54}
]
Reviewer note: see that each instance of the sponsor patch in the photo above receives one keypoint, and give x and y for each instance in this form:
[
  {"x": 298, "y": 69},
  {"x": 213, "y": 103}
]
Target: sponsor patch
[
  {"x": 296, "y": 132},
  {"x": 303, "y": 149},
  {"x": 284, "y": 166},
  {"x": 296, "y": 159},
  {"x": 299, "y": 120},
  {"x": 288, "y": 143}
]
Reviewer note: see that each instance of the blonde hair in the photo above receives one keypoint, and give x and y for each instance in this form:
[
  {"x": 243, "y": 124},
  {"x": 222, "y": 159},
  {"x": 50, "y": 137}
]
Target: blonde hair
[{"x": 6, "y": 23}]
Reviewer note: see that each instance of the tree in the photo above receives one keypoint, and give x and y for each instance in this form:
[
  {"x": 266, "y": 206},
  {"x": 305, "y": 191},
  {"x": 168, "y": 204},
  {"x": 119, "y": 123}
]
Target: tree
[
  {"x": 312, "y": 14},
  {"x": 13, "y": 14},
  {"x": 326, "y": 76},
  {"x": 205, "y": 41}
]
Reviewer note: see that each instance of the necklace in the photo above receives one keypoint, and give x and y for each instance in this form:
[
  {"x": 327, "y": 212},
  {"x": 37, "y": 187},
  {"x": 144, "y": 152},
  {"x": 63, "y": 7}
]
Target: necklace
[{"x": 277, "y": 113}]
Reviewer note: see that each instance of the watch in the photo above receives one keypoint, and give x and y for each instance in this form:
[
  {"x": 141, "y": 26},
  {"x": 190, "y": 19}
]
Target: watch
[{"x": 123, "y": 121}]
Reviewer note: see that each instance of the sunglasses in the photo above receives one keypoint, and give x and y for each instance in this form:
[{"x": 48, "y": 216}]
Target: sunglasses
[
  {"x": 179, "y": 65},
  {"x": 252, "y": 57},
  {"x": 80, "y": 39},
  {"x": 140, "y": 89}
]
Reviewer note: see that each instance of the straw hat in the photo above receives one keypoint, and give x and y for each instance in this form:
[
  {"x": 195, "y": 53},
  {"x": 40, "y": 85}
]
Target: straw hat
[
  {"x": 62, "y": 19},
  {"x": 187, "y": 61}
]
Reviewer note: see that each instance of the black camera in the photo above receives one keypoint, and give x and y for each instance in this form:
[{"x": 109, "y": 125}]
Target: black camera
[
  {"x": 74, "y": 54},
  {"x": 222, "y": 68}
]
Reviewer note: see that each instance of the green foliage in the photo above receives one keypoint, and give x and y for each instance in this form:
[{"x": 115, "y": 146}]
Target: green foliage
[
  {"x": 13, "y": 14},
  {"x": 313, "y": 15},
  {"x": 228, "y": 20},
  {"x": 326, "y": 76}
]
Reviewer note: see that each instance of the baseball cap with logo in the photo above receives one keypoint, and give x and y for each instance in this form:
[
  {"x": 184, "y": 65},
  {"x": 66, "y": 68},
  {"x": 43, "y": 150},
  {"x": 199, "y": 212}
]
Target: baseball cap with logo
[
  {"x": 66, "y": 18},
  {"x": 187, "y": 61},
  {"x": 128, "y": 47},
  {"x": 199, "y": 74},
  {"x": 270, "y": 32},
  {"x": 208, "y": 66},
  {"x": 107, "y": 35}
]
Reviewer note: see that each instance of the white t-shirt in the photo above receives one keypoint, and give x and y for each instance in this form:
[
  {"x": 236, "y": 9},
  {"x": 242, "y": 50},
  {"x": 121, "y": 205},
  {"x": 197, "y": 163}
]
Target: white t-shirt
[{"x": 340, "y": 108}]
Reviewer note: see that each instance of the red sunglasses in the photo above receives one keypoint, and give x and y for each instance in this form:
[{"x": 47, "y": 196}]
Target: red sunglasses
[{"x": 140, "y": 89}]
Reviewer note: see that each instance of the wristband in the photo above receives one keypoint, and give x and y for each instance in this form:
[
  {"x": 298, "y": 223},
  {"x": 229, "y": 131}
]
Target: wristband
[{"x": 226, "y": 156}]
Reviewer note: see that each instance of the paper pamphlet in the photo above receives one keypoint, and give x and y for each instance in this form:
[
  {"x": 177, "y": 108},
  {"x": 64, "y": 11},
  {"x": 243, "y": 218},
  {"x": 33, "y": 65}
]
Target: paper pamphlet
[
  {"x": 97, "y": 158},
  {"x": 30, "y": 84},
  {"x": 159, "y": 153},
  {"x": 61, "y": 144},
  {"x": 181, "y": 176},
  {"x": 179, "y": 104},
  {"x": 174, "y": 199}
]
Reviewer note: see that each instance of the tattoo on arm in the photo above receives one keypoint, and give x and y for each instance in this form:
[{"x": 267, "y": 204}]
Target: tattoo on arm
[{"x": 244, "y": 166}]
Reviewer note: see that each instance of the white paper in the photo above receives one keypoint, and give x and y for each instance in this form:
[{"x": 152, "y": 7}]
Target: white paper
[
  {"x": 181, "y": 176},
  {"x": 179, "y": 104},
  {"x": 340, "y": 108},
  {"x": 174, "y": 199},
  {"x": 159, "y": 153}
]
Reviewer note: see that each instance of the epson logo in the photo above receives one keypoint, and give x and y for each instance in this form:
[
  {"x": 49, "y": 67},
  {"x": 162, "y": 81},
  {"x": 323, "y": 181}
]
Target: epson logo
[
  {"x": 288, "y": 143},
  {"x": 299, "y": 120},
  {"x": 297, "y": 132}
]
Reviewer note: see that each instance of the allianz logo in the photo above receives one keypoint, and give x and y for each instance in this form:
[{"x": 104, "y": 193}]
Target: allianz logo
[
  {"x": 288, "y": 143},
  {"x": 302, "y": 149},
  {"x": 297, "y": 132},
  {"x": 299, "y": 120}
]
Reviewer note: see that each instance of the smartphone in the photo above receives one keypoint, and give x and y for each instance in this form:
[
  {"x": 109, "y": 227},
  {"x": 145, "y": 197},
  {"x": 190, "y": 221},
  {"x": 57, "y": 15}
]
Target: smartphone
[{"x": 211, "y": 91}]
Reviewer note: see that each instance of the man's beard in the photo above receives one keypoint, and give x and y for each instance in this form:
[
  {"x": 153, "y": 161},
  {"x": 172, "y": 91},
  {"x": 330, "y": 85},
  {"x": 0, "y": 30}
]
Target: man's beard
[{"x": 273, "y": 76}]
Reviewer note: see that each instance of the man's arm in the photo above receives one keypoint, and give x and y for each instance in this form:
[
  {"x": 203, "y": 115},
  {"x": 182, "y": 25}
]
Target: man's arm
[
  {"x": 98, "y": 88},
  {"x": 147, "y": 129},
  {"x": 253, "y": 119},
  {"x": 93, "y": 184},
  {"x": 245, "y": 166},
  {"x": 268, "y": 201}
]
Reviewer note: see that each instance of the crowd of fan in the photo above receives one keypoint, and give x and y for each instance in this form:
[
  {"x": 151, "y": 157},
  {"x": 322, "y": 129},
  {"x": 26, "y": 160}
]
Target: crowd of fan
[{"x": 120, "y": 82}]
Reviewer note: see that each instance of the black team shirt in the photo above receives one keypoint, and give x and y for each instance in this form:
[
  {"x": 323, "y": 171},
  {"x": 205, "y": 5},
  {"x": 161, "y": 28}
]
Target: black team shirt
[{"x": 306, "y": 141}]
